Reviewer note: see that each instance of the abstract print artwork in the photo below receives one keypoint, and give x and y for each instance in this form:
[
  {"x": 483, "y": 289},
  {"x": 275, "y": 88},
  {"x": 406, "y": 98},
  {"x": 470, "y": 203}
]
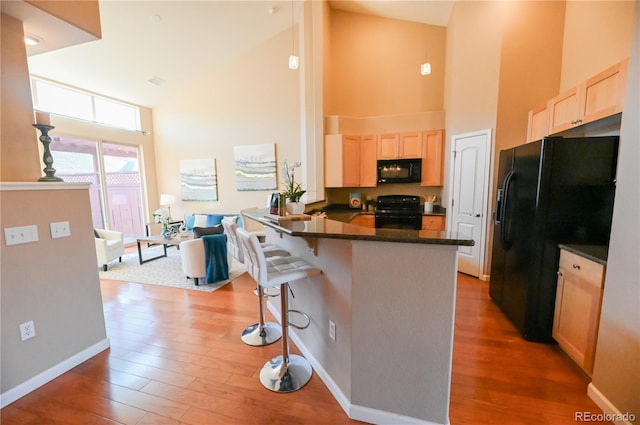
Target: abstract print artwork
[
  {"x": 255, "y": 167},
  {"x": 198, "y": 180}
]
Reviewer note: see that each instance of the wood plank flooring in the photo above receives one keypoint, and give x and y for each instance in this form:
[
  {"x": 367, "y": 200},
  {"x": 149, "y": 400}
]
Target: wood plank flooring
[{"x": 176, "y": 358}]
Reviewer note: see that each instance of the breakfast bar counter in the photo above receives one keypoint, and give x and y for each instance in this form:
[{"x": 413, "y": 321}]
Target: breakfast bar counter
[{"x": 391, "y": 295}]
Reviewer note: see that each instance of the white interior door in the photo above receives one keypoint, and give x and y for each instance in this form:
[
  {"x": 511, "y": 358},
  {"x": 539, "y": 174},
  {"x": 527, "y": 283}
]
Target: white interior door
[{"x": 469, "y": 196}]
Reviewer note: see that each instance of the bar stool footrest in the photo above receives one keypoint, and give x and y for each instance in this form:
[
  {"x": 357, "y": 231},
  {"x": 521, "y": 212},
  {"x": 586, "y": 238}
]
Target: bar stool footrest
[
  {"x": 268, "y": 292},
  {"x": 303, "y": 314}
]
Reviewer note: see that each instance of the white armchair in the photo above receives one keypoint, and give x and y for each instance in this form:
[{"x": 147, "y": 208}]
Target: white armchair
[
  {"x": 192, "y": 256},
  {"x": 194, "y": 261},
  {"x": 109, "y": 246}
]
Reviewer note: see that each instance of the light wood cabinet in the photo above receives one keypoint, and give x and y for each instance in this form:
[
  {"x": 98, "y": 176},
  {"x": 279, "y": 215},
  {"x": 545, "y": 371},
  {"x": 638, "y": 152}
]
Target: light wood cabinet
[
  {"x": 368, "y": 161},
  {"x": 577, "y": 309},
  {"x": 388, "y": 146},
  {"x": 403, "y": 145},
  {"x": 350, "y": 161},
  {"x": 364, "y": 220},
  {"x": 411, "y": 145},
  {"x": 600, "y": 96},
  {"x": 432, "y": 158},
  {"x": 538, "y": 126},
  {"x": 433, "y": 222}
]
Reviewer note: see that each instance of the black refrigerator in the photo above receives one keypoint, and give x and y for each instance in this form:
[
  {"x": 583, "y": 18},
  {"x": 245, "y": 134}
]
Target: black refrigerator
[{"x": 552, "y": 191}]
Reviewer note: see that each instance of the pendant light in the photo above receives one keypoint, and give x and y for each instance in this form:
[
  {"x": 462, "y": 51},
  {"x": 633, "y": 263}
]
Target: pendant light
[{"x": 294, "y": 60}]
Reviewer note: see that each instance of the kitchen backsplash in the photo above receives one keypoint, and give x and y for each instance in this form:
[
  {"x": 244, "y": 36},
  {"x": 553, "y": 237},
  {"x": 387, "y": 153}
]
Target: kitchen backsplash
[{"x": 341, "y": 195}]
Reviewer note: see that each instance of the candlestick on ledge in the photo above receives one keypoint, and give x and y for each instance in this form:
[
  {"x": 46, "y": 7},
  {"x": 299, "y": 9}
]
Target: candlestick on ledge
[{"x": 46, "y": 157}]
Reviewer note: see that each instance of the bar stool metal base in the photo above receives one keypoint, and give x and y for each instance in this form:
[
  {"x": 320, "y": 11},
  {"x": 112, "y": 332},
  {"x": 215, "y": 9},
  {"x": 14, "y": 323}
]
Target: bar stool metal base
[
  {"x": 281, "y": 377},
  {"x": 259, "y": 336}
]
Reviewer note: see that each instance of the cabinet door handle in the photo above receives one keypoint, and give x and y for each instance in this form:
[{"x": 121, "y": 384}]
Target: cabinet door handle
[{"x": 576, "y": 266}]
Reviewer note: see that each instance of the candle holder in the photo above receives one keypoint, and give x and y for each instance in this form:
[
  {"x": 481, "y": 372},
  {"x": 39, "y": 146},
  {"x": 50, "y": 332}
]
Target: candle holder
[{"x": 46, "y": 157}]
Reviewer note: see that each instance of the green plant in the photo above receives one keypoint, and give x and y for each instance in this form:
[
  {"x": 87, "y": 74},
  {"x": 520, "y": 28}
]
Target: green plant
[{"x": 292, "y": 191}]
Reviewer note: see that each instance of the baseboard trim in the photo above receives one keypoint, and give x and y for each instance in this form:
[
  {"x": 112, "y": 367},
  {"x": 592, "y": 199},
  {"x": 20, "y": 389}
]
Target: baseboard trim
[
  {"x": 607, "y": 407},
  {"x": 359, "y": 413},
  {"x": 484, "y": 277},
  {"x": 53, "y": 372}
]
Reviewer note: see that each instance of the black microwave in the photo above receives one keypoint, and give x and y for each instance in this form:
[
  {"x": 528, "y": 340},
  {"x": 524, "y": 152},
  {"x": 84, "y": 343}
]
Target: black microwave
[{"x": 399, "y": 170}]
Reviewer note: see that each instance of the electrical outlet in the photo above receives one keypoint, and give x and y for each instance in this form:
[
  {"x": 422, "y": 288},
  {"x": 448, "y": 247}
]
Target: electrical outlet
[
  {"x": 332, "y": 330},
  {"x": 60, "y": 229},
  {"x": 27, "y": 330},
  {"x": 22, "y": 234}
]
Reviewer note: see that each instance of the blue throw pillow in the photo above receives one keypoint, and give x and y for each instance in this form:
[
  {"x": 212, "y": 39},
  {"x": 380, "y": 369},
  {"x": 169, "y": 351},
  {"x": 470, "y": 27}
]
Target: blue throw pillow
[
  {"x": 214, "y": 219},
  {"x": 189, "y": 221}
]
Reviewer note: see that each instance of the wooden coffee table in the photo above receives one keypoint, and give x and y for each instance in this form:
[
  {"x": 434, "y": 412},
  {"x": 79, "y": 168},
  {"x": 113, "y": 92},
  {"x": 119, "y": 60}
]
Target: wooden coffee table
[{"x": 159, "y": 240}]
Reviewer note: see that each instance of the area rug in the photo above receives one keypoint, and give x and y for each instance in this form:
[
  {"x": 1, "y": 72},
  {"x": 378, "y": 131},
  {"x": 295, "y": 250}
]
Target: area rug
[{"x": 165, "y": 271}]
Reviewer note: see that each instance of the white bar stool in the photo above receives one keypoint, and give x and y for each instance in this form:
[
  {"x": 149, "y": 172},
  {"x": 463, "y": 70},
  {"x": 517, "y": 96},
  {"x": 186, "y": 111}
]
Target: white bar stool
[
  {"x": 261, "y": 333},
  {"x": 286, "y": 372}
]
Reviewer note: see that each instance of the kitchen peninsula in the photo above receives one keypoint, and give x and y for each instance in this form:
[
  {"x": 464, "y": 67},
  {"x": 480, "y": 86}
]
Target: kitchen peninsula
[{"x": 391, "y": 295}]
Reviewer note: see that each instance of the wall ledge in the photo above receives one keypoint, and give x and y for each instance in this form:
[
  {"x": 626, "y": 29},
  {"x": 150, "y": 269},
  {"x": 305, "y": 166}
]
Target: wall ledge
[{"x": 8, "y": 186}]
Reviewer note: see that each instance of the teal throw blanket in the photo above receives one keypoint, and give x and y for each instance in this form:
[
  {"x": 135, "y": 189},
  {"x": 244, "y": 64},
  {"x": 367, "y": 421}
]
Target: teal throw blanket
[{"x": 215, "y": 258}]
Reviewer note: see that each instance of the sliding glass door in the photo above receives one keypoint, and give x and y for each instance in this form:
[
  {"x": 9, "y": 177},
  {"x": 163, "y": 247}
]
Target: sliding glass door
[{"x": 114, "y": 173}]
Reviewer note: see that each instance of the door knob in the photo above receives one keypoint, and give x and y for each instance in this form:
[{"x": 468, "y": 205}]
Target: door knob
[{"x": 477, "y": 214}]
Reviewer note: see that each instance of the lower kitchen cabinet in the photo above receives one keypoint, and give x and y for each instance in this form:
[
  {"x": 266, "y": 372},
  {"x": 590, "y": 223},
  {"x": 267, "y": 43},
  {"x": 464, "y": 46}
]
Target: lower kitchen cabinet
[
  {"x": 577, "y": 309},
  {"x": 364, "y": 220},
  {"x": 433, "y": 222}
]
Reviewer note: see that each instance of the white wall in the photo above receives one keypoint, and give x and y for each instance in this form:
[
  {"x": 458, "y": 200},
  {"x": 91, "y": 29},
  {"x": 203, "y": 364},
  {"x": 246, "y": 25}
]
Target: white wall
[
  {"x": 616, "y": 374},
  {"x": 253, "y": 100}
]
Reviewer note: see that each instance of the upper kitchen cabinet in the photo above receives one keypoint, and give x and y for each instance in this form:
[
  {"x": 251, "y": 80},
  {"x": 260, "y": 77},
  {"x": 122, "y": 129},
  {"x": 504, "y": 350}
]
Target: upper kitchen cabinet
[
  {"x": 538, "y": 126},
  {"x": 432, "y": 158},
  {"x": 403, "y": 145},
  {"x": 600, "y": 96},
  {"x": 388, "y": 146},
  {"x": 350, "y": 161}
]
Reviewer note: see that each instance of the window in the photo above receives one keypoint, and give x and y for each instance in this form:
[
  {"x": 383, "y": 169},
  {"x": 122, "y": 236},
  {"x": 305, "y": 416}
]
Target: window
[{"x": 61, "y": 100}]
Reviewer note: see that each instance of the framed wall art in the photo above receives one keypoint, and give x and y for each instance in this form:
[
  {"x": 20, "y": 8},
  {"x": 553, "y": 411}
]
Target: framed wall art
[
  {"x": 198, "y": 180},
  {"x": 255, "y": 167}
]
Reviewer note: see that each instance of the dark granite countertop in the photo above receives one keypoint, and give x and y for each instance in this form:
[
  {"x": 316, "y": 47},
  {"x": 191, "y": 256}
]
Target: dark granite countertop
[
  {"x": 597, "y": 253},
  {"x": 332, "y": 229}
]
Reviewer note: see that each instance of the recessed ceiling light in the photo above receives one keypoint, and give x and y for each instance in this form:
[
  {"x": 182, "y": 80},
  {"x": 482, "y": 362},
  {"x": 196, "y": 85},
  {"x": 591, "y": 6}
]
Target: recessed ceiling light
[
  {"x": 156, "y": 18},
  {"x": 273, "y": 10},
  {"x": 31, "y": 39}
]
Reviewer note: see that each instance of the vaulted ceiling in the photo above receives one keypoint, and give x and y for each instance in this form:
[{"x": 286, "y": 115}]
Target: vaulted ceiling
[{"x": 150, "y": 49}]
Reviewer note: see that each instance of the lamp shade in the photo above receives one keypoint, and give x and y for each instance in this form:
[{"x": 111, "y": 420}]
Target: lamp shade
[{"x": 166, "y": 199}]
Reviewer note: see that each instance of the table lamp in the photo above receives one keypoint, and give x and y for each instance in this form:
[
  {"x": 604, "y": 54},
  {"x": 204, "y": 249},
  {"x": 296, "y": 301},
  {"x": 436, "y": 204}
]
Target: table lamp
[{"x": 167, "y": 200}]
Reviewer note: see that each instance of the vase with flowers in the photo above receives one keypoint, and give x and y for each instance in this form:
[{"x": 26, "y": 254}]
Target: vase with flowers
[
  {"x": 162, "y": 216},
  {"x": 292, "y": 191}
]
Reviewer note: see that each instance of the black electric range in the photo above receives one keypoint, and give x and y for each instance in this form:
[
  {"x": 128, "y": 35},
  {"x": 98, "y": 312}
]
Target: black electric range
[{"x": 398, "y": 212}]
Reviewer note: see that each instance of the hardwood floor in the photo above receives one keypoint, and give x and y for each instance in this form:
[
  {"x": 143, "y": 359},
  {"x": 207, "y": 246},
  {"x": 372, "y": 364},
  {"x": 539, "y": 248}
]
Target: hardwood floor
[{"x": 176, "y": 358}]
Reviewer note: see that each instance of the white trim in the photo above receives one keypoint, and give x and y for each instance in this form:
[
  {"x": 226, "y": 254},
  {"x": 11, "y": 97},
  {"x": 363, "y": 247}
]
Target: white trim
[
  {"x": 484, "y": 277},
  {"x": 53, "y": 372},
  {"x": 353, "y": 411},
  {"x": 7, "y": 186},
  {"x": 604, "y": 403}
]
